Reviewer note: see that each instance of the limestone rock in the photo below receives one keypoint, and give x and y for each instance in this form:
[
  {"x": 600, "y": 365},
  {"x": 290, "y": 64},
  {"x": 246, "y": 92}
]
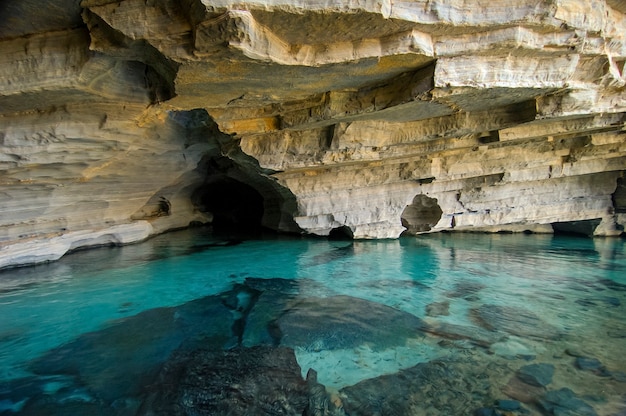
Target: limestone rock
[
  {"x": 336, "y": 322},
  {"x": 245, "y": 381},
  {"x": 369, "y": 117}
]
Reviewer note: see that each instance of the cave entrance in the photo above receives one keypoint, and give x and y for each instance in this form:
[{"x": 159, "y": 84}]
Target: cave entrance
[
  {"x": 421, "y": 215},
  {"x": 235, "y": 205}
]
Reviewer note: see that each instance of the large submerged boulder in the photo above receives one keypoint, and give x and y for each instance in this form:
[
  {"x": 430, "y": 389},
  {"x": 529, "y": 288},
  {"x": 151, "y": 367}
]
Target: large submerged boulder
[{"x": 244, "y": 381}]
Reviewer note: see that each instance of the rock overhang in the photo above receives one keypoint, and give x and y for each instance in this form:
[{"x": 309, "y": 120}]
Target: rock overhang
[{"x": 350, "y": 110}]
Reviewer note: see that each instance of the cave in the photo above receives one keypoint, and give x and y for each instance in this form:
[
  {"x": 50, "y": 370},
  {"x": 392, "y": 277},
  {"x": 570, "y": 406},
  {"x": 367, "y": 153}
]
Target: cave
[
  {"x": 234, "y": 205},
  {"x": 619, "y": 196},
  {"x": 584, "y": 228},
  {"x": 341, "y": 233},
  {"x": 421, "y": 215}
]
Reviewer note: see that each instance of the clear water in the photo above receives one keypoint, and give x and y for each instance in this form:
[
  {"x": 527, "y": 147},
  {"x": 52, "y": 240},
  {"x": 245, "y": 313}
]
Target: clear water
[{"x": 574, "y": 286}]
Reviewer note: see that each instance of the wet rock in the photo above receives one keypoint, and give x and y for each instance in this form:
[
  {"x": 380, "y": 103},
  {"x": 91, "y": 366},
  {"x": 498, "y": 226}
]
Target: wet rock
[
  {"x": 438, "y": 309},
  {"x": 41, "y": 408},
  {"x": 515, "y": 321},
  {"x": 477, "y": 336},
  {"x": 344, "y": 322},
  {"x": 617, "y": 332},
  {"x": 119, "y": 360},
  {"x": 466, "y": 290},
  {"x": 592, "y": 365},
  {"x": 260, "y": 328},
  {"x": 320, "y": 402},
  {"x": 275, "y": 296},
  {"x": 525, "y": 393},
  {"x": 275, "y": 284},
  {"x": 564, "y": 402},
  {"x": 436, "y": 387},
  {"x": 508, "y": 405},
  {"x": 513, "y": 350},
  {"x": 41, "y": 395},
  {"x": 486, "y": 411},
  {"x": 260, "y": 381},
  {"x": 576, "y": 351},
  {"x": 588, "y": 364},
  {"x": 536, "y": 374}
]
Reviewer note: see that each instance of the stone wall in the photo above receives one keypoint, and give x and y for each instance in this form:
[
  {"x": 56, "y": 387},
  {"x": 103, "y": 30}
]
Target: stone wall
[{"x": 119, "y": 120}]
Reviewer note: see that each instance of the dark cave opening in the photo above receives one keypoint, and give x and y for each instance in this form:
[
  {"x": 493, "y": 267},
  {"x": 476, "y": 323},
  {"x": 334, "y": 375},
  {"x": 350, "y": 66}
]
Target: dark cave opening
[
  {"x": 584, "y": 228},
  {"x": 234, "y": 204},
  {"x": 342, "y": 233}
]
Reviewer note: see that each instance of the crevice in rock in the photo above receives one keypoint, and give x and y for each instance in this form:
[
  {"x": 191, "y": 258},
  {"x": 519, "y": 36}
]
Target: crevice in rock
[
  {"x": 489, "y": 137},
  {"x": 421, "y": 215},
  {"x": 619, "y": 196},
  {"x": 580, "y": 228}
]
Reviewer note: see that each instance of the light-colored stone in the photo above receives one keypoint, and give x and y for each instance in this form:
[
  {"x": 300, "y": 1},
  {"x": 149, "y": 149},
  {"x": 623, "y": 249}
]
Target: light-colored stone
[
  {"x": 53, "y": 247},
  {"x": 340, "y": 114}
]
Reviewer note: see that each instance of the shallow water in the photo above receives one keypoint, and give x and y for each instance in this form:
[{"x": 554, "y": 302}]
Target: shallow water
[{"x": 487, "y": 305}]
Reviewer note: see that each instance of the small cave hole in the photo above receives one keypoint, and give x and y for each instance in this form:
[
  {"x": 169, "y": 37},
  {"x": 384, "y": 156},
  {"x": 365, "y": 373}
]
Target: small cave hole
[
  {"x": 341, "y": 233},
  {"x": 235, "y": 206},
  {"x": 165, "y": 206},
  {"x": 421, "y": 215}
]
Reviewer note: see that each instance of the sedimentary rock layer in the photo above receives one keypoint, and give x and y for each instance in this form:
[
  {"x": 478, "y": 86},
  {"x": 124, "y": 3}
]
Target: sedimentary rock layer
[{"x": 123, "y": 119}]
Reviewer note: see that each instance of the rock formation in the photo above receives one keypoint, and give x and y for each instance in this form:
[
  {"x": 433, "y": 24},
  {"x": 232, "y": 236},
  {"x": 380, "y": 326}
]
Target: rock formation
[{"x": 122, "y": 119}]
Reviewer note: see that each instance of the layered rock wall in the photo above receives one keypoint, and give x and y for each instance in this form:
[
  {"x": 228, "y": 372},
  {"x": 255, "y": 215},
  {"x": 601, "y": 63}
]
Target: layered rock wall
[{"x": 123, "y": 119}]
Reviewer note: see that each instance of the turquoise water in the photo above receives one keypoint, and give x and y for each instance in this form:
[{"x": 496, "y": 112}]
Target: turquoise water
[{"x": 495, "y": 303}]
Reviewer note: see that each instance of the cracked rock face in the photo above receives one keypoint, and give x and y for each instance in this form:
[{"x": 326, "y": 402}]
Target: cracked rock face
[{"x": 123, "y": 119}]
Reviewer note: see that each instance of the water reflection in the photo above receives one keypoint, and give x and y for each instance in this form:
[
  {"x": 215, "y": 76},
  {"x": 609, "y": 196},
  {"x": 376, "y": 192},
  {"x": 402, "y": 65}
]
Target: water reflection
[{"x": 473, "y": 319}]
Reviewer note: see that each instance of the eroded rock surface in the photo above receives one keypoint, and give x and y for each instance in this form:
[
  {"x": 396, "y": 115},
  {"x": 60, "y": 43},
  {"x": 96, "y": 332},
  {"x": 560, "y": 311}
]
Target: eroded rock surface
[
  {"x": 123, "y": 119},
  {"x": 244, "y": 381}
]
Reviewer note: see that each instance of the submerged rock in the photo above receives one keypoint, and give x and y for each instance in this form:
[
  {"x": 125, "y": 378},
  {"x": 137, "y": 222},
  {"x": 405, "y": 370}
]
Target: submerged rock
[
  {"x": 613, "y": 285},
  {"x": 536, "y": 374},
  {"x": 122, "y": 358},
  {"x": 588, "y": 364},
  {"x": 477, "y": 336},
  {"x": 515, "y": 321},
  {"x": 564, "y": 402},
  {"x": 259, "y": 381},
  {"x": 344, "y": 322},
  {"x": 437, "y": 387},
  {"x": 438, "y": 309},
  {"x": 508, "y": 405},
  {"x": 523, "y": 392},
  {"x": 275, "y": 296},
  {"x": 466, "y": 290}
]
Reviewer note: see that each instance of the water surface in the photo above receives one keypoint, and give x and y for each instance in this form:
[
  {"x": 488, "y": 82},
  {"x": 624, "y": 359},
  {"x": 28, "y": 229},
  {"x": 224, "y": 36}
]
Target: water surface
[{"x": 536, "y": 320}]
